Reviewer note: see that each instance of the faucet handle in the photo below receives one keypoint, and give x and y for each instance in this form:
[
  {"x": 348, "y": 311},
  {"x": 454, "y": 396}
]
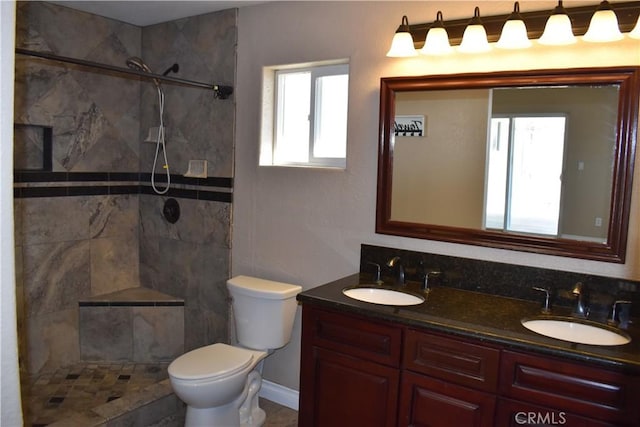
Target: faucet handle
[
  {"x": 377, "y": 278},
  {"x": 546, "y": 307},
  {"x": 429, "y": 273},
  {"x": 620, "y": 314}
]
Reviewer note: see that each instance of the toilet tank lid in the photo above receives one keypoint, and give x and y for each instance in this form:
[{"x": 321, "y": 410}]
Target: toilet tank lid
[{"x": 263, "y": 288}]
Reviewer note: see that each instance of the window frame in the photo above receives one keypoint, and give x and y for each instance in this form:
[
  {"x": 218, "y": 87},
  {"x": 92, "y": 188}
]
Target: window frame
[{"x": 271, "y": 114}]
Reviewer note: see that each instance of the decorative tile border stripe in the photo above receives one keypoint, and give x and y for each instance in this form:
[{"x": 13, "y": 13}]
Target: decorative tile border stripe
[
  {"x": 33, "y": 184},
  {"x": 21, "y": 176},
  {"x": 131, "y": 303},
  {"x": 181, "y": 179}
]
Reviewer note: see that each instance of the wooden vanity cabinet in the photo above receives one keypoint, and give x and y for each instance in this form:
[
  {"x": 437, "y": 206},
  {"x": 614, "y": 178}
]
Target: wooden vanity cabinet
[
  {"x": 357, "y": 371},
  {"x": 350, "y": 372}
]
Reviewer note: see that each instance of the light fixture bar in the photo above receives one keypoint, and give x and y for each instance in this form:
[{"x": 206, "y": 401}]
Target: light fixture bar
[{"x": 626, "y": 12}]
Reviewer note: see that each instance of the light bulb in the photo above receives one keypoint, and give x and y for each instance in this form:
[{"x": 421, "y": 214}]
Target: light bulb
[
  {"x": 514, "y": 32},
  {"x": 402, "y": 43},
  {"x": 474, "y": 38},
  {"x": 557, "y": 30},
  {"x": 604, "y": 25},
  {"x": 437, "y": 40}
]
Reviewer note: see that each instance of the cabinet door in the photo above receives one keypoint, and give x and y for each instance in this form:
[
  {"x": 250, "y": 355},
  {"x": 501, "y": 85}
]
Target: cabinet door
[
  {"x": 426, "y": 401},
  {"x": 347, "y": 391},
  {"x": 512, "y": 413}
]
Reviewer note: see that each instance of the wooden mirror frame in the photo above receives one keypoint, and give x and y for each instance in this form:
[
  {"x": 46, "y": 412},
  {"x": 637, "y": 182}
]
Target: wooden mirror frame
[{"x": 614, "y": 250}]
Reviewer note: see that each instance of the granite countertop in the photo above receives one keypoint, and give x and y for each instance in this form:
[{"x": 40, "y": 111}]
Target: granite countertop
[{"x": 489, "y": 318}]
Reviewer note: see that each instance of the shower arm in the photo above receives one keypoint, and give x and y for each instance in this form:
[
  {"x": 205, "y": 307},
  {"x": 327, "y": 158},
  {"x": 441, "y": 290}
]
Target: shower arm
[{"x": 220, "y": 91}]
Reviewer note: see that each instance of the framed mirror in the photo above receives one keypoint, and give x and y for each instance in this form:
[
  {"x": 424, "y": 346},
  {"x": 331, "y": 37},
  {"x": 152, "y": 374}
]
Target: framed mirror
[{"x": 539, "y": 161}]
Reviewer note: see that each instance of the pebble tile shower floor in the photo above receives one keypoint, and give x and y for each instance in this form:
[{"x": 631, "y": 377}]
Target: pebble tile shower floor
[{"x": 54, "y": 396}]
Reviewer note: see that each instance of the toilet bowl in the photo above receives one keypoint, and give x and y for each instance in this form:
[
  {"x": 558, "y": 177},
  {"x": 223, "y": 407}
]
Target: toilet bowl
[
  {"x": 219, "y": 382},
  {"x": 215, "y": 382}
]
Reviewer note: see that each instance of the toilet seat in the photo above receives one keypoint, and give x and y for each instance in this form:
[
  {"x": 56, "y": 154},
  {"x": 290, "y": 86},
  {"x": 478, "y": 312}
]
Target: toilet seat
[{"x": 212, "y": 362}]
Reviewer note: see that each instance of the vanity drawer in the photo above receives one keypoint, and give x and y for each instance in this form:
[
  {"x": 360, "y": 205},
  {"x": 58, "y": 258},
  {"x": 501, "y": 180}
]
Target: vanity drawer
[
  {"x": 359, "y": 337},
  {"x": 573, "y": 387},
  {"x": 453, "y": 360}
]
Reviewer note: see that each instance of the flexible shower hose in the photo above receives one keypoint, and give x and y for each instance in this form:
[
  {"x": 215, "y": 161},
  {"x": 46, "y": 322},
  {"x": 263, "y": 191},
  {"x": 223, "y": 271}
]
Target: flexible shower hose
[{"x": 160, "y": 142}]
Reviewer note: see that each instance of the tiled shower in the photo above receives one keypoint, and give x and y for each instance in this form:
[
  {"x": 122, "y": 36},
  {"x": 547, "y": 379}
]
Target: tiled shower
[{"x": 92, "y": 225}]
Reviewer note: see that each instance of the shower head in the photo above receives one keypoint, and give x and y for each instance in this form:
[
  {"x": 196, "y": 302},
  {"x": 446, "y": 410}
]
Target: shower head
[{"x": 138, "y": 64}]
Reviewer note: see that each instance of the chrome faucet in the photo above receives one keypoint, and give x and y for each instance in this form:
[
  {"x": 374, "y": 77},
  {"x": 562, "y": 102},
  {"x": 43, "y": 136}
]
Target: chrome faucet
[
  {"x": 620, "y": 314},
  {"x": 581, "y": 309},
  {"x": 397, "y": 264},
  {"x": 377, "y": 277},
  {"x": 546, "y": 307},
  {"x": 432, "y": 273}
]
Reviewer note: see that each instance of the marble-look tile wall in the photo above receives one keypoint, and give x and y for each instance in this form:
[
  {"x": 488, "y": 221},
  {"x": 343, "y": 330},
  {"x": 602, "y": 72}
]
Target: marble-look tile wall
[
  {"x": 73, "y": 247},
  {"x": 94, "y": 116},
  {"x": 199, "y": 127},
  {"x": 69, "y": 247},
  {"x": 190, "y": 259},
  {"x": 141, "y": 334}
]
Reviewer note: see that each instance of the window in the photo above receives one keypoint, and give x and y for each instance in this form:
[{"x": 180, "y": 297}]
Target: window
[{"x": 307, "y": 123}]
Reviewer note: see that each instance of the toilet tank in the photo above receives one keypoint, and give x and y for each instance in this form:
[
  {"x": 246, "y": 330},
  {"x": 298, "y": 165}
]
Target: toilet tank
[{"x": 263, "y": 310}]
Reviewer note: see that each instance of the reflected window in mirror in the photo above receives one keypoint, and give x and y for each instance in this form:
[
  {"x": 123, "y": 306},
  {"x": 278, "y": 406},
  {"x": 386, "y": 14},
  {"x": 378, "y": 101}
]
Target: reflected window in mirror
[{"x": 524, "y": 174}]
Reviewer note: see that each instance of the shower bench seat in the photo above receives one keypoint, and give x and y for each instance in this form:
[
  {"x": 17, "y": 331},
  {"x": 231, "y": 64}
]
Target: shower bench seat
[{"x": 135, "y": 324}]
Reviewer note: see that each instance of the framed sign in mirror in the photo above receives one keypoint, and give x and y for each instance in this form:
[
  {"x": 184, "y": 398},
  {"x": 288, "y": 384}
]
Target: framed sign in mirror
[{"x": 538, "y": 161}]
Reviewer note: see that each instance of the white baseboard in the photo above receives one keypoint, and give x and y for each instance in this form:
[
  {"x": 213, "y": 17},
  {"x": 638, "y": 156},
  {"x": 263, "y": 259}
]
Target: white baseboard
[{"x": 279, "y": 394}]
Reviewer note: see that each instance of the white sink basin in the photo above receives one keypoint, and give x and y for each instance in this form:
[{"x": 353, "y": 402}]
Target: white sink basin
[
  {"x": 382, "y": 296},
  {"x": 576, "y": 331}
]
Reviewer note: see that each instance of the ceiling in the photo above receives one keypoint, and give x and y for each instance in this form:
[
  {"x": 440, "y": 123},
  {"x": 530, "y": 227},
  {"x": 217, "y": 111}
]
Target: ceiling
[{"x": 145, "y": 12}]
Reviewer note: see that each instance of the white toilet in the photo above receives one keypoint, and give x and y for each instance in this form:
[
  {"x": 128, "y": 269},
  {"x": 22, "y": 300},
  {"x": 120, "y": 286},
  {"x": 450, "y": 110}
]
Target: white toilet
[{"x": 220, "y": 383}]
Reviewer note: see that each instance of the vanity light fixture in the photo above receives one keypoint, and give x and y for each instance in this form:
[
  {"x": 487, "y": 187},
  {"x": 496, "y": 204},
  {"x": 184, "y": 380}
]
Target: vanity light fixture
[
  {"x": 437, "y": 40},
  {"x": 402, "y": 43},
  {"x": 514, "y": 32},
  {"x": 474, "y": 39},
  {"x": 604, "y": 25},
  {"x": 557, "y": 30},
  {"x": 560, "y": 28}
]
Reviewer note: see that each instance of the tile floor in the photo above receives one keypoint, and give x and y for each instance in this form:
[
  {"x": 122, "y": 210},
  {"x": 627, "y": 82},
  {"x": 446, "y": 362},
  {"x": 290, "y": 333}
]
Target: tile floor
[{"x": 55, "y": 396}]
